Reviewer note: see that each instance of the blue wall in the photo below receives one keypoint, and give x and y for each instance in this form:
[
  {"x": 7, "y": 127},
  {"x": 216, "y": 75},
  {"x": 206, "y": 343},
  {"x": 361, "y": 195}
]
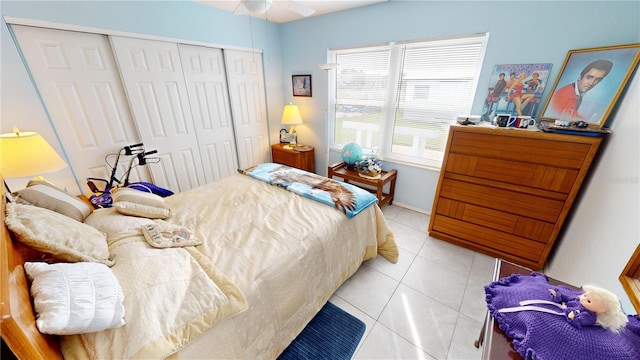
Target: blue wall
[{"x": 520, "y": 32}]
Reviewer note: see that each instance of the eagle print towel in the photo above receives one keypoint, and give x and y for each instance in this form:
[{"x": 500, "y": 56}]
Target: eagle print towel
[{"x": 347, "y": 198}]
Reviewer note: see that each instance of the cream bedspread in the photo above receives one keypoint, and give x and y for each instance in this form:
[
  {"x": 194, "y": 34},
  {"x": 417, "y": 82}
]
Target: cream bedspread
[
  {"x": 285, "y": 253},
  {"x": 153, "y": 280}
]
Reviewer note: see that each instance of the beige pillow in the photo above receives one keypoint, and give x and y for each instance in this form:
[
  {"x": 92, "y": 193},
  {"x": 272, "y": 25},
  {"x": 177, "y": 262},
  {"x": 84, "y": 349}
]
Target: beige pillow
[
  {"x": 48, "y": 196},
  {"x": 60, "y": 236},
  {"x": 110, "y": 221},
  {"x": 138, "y": 203}
]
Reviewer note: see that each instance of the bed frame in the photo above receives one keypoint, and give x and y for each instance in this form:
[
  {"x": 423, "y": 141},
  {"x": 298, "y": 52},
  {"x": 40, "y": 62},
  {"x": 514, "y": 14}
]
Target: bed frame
[{"x": 17, "y": 319}]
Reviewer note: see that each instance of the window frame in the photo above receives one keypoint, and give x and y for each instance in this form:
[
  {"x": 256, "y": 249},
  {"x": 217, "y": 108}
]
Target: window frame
[{"x": 387, "y": 115}]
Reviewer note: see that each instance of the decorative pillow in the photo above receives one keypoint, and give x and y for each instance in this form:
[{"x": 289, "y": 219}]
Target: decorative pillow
[
  {"x": 137, "y": 203},
  {"x": 163, "y": 235},
  {"x": 75, "y": 298},
  {"x": 55, "y": 234},
  {"x": 46, "y": 195},
  {"x": 111, "y": 222}
]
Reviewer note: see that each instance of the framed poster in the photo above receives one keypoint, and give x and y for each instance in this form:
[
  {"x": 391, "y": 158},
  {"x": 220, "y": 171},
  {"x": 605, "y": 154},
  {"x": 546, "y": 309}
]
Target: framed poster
[
  {"x": 301, "y": 85},
  {"x": 515, "y": 89},
  {"x": 590, "y": 82}
]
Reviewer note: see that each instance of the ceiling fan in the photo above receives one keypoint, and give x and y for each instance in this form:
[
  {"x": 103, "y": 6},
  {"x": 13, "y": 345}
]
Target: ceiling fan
[{"x": 256, "y": 7}]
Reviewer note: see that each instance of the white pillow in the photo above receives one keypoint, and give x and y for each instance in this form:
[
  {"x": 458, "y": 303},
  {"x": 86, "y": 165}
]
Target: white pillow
[
  {"x": 75, "y": 298},
  {"x": 139, "y": 203}
]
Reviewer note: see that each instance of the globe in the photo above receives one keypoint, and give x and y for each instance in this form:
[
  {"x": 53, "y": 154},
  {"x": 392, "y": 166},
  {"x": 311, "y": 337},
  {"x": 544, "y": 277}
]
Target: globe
[{"x": 351, "y": 153}]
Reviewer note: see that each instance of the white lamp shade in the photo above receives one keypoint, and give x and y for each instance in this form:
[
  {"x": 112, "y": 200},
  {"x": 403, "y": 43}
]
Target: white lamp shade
[
  {"x": 25, "y": 154},
  {"x": 291, "y": 115}
]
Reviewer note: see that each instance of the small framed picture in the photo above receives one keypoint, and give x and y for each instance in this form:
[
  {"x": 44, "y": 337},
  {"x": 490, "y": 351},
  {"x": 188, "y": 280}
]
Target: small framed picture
[
  {"x": 590, "y": 82},
  {"x": 284, "y": 136},
  {"x": 301, "y": 85}
]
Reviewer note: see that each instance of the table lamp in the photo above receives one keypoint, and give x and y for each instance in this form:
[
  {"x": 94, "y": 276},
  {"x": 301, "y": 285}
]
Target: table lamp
[
  {"x": 291, "y": 116},
  {"x": 26, "y": 154}
]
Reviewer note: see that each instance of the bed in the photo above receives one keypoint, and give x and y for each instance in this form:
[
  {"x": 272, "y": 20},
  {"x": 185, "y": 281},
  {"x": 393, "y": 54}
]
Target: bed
[{"x": 269, "y": 259}]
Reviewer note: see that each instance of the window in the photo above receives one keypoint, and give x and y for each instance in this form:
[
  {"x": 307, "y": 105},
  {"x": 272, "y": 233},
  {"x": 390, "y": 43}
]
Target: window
[{"x": 398, "y": 100}]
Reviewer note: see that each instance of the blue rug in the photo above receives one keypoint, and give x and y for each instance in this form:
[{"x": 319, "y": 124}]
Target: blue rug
[{"x": 332, "y": 334}]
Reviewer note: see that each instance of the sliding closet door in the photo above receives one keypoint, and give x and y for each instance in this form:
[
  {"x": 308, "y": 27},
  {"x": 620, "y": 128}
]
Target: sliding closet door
[
  {"x": 248, "y": 106},
  {"x": 209, "y": 98},
  {"x": 78, "y": 80},
  {"x": 153, "y": 79}
]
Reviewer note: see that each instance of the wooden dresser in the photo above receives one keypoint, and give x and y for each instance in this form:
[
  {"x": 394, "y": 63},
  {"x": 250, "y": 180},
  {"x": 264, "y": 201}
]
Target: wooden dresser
[
  {"x": 301, "y": 157},
  {"x": 507, "y": 192}
]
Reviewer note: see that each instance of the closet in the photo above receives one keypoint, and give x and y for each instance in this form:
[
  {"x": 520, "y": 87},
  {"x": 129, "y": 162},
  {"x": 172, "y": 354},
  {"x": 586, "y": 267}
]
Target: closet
[{"x": 202, "y": 108}]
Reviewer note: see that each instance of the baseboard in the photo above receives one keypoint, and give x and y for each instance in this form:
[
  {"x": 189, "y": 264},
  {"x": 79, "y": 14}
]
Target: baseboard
[{"x": 412, "y": 208}]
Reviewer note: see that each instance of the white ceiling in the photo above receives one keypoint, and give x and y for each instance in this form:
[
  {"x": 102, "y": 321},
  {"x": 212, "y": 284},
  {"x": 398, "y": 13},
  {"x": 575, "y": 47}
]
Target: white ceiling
[{"x": 279, "y": 13}]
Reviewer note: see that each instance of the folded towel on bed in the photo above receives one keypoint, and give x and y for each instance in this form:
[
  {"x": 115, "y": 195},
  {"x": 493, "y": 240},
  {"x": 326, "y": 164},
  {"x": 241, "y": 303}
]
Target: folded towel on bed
[
  {"x": 541, "y": 335},
  {"x": 347, "y": 198}
]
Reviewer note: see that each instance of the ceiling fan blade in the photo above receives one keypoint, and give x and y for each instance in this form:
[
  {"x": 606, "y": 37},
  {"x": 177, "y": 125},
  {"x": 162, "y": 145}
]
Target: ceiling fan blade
[
  {"x": 253, "y": 7},
  {"x": 240, "y": 9},
  {"x": 297, "y": 7}
]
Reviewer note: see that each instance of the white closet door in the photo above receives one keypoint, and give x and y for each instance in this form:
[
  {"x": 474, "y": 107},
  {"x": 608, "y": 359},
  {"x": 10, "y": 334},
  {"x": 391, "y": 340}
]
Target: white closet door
[
  {"x": 79, "y": 84},
  {"x": 209, "y": 98},
  {"x": 154, "y": 82},
  {"x": 248, "y": 107}
]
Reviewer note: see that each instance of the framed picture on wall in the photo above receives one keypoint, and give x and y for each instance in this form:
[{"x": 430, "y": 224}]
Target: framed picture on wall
[
  {"x": 301, "y": 85},
  {"x": 590, "y": 82},
  {"x": 516, "y": 89}
]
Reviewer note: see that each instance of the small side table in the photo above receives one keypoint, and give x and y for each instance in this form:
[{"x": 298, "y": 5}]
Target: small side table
[
  {"x": 388, "y": 177},
  {"x": 301, "y": 157}
]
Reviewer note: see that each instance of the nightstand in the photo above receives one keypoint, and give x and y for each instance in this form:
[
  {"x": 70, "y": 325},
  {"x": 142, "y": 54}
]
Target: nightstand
[
  {"x": 85, "y": 199},
  {"x": 300, "y": 156}
]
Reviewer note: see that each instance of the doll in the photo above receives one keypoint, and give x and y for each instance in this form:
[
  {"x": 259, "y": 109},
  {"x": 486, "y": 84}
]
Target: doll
[{"x": 595, "y": 306}]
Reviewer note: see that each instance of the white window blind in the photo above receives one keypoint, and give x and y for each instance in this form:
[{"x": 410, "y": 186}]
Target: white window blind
[{"x": 399, "y": 99}]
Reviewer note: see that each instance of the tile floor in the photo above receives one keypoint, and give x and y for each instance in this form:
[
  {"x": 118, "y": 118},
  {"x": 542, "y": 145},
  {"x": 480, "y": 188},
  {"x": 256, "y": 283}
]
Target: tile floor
[{"x": 429, "y": 305}]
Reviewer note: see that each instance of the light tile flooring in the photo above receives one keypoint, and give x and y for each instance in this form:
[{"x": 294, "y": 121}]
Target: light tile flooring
[{"x": 429, "y": 305}]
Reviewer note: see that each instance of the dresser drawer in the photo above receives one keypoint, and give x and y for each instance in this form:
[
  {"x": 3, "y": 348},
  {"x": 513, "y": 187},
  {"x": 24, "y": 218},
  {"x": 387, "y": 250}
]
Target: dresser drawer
[
  {"x": 513, "y": 172},
  {"x": 475, "y": 236},
  {"x": 286, "y": 158},
  {"x": 502, "y": 200},
  {"x": 536, "y": 151},
  {"x": 510, "y": 223}
]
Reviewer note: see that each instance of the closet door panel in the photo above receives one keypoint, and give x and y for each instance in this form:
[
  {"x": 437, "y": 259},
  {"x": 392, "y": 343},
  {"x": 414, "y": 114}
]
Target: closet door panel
[
  {"x": 76, "y": 76},
  {"x": 152, "y": 75},
  {"x": 209, "y": 98},
  {"x": 247, "y": 95}
]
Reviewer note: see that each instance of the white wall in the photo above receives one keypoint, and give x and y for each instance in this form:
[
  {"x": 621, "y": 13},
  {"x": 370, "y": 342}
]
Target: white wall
[{"x": 603, "y": 230}]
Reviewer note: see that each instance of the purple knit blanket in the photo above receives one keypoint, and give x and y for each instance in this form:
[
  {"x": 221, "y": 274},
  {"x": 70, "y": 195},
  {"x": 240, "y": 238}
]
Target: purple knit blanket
[{"x": 543, "y": 336}]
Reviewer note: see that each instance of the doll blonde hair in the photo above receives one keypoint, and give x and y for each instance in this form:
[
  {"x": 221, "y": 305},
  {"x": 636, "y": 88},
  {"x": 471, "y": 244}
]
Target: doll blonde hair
[{"x": 613, "y": 318}]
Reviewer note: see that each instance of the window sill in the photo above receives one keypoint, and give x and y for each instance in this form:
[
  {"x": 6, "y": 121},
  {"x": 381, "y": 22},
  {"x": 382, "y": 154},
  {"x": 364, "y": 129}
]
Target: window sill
[{"x": 394, "y": 160}]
